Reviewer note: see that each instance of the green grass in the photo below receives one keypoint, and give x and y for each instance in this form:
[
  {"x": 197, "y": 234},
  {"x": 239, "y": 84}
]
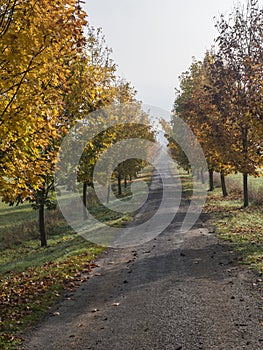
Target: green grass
[
  {"x": 243, "y": 227},
  {"x": 187, "y": 185},
  {"x": 234, "y": 183},
  {"x": 256, "y": 182},
  {"x": 30, "y": 254},
  {"x": 33, "y": 278},
  {"x": 22, "y": 212}
]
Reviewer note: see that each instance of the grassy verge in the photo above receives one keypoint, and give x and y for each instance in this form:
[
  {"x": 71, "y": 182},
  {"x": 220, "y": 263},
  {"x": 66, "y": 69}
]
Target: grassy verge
[
  {"x": 27, "y": 292},
  {"x": 243, "y": 227},
  {"x": 32, "y": 278}
]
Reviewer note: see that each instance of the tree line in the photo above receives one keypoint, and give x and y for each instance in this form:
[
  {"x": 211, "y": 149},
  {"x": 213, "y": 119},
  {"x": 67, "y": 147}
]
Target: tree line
[
  {"x": 221, "y": 98},
  {"x": 55, "y": 70}
]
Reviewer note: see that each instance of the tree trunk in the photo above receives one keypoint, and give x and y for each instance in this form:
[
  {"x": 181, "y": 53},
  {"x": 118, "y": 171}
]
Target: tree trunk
[
  {"x": 125, "y": 182},
  {"x": 245, "y": 175},
  {"x": 84, "y": 198},
  {"x": 41, "y": 222},
  {"x": 245, "y": 190},
  {"x": 223, "y": 184},
  {"x": 119, "y": 185},
  {"x": 211, "y": 180}
]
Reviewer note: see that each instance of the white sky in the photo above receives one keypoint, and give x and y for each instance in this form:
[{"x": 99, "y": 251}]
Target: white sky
[{"x": 153, "y": 41}]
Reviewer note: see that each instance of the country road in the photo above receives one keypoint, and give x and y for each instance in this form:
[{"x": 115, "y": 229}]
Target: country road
[{"x": 178, "y": 291}]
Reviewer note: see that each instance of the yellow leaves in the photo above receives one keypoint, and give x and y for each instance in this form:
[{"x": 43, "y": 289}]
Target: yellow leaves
[{"x": 42, "y": 40}]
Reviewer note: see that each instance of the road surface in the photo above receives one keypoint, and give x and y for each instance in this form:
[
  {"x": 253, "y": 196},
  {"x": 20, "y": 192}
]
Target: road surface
[{"x": 178, "y": 291}]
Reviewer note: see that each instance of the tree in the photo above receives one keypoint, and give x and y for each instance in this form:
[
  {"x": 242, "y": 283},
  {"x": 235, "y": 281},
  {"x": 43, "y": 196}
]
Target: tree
[
  {"x": 239, "y": 80},
  {"x": 98, "y": 92},
  {"x": 38, "y": 43},
  {"x": 131, "y": 122},
  {"x": 221, "y": 97},
  {"x": 195, "y": 106}
]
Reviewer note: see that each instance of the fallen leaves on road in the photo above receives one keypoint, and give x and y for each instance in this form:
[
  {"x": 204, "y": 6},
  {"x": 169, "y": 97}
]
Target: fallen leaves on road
[
  {"x": 56, "y": 313},
  {"x": 95, "y": 310}
]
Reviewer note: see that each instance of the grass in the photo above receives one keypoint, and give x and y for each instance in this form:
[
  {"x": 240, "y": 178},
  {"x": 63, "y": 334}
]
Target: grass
[
  {"x": 243, "y": 227},
  {"x": 234, "y": 183},
  {"x": 32, "y": 278},
  {"x": 26, "y": 295},
  {"x": 256, "y": 182}
]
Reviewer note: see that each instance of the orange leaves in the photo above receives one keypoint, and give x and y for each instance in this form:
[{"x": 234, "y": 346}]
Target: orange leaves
[
  {"x": 252, "y": 233},
  {"x": 221, "y": 96}
]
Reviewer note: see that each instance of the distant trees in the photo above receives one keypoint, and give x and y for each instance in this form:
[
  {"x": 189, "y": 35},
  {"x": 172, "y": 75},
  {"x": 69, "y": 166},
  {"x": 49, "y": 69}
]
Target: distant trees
[{"x": 221, "y": 97}]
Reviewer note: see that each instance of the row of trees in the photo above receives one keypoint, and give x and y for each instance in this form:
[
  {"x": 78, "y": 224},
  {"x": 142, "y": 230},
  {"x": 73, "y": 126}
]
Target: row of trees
[
  {"x": 221, "y": 98},
  {"x": 52, "y": 75}
]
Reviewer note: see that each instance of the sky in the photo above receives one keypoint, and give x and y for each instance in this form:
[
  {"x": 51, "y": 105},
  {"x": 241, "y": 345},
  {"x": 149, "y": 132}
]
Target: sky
[{"x": 154, "y": 41}]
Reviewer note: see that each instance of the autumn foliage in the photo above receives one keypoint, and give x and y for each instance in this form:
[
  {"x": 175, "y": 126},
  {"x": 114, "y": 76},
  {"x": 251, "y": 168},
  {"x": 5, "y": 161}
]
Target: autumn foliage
[
  {"x": 52, "y": 75},
  {"x": 221, "y": 97}
]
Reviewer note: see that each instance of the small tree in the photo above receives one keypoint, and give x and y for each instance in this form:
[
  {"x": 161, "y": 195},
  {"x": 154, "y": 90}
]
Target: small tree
[{"x": 44, "y": 198}]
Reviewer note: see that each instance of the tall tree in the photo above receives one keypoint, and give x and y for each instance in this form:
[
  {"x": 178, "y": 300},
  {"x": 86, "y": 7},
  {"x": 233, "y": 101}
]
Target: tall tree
[
  {"x": 239, "y": 72},
  {"x": 38, "y": 43},
  {"x": 99, "y": 92}
]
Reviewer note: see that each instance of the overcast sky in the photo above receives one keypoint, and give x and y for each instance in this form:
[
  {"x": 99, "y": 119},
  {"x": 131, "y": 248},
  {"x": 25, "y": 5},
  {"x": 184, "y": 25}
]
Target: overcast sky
[{"x": 153, "y": 41}]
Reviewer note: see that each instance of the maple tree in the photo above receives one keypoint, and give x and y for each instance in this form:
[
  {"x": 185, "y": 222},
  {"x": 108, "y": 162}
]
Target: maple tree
[
  {"x": 123, "y": 109},
  {"x": 38, "y": 43},
  {"x": 138, "y": 127},
  {"x": 98, "y": 92}
]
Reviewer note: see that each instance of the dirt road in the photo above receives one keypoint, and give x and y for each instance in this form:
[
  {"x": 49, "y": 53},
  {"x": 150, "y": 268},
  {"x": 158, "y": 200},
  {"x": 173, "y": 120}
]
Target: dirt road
[{"x": 178, "y": 291}]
